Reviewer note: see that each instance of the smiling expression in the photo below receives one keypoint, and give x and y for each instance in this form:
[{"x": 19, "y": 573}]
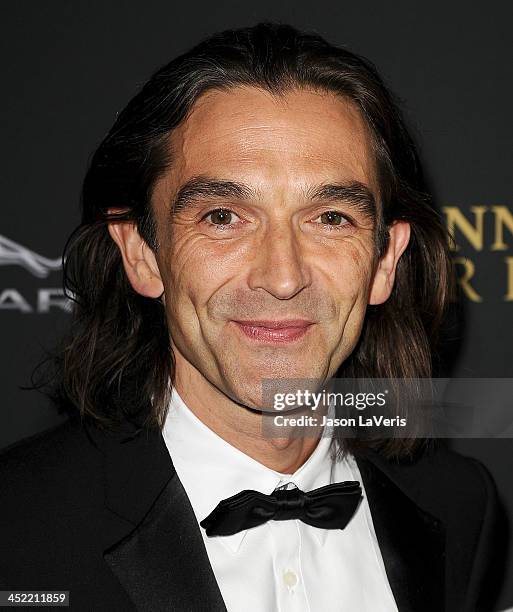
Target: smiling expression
[{"x": 266, "y": 215}]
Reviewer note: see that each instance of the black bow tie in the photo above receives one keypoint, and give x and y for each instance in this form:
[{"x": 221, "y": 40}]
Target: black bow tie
[{"x": 329, "y": 507}]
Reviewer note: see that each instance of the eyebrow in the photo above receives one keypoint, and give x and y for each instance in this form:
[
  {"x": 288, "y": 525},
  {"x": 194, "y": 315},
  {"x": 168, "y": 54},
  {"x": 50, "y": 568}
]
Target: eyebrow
[
  {"x": 199, "y": 188},
  {"x": 355, "y": 193}
]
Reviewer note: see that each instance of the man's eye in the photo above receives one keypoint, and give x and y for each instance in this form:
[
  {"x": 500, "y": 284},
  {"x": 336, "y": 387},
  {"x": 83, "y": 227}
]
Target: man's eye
[
  {"x": 221, "y": 216},
  {"x": 332, "y": 217}
]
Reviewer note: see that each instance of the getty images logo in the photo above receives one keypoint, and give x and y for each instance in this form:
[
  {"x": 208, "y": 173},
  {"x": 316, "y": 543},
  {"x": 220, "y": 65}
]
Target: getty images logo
[{"x": 46, "y": 298}]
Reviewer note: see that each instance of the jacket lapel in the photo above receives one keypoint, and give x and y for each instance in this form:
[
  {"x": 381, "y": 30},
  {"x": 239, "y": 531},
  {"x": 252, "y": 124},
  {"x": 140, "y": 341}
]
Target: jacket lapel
[
  {"x": 153, "y": 542},
  {"x": 412, "y": 541},
  {"x": 154, "y": 546}
]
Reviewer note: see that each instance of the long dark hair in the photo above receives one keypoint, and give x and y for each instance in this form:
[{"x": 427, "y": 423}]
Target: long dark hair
[{"x": 116, "y": 363}]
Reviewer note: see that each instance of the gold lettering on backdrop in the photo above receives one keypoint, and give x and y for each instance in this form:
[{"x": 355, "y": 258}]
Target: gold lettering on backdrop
[
  {"x": 473, "y": 232},
  {"x": 503, "y": 218},
  {"x": 509, "y": 294},
  {"x": 481, "y": 229},
  {"x": 463, "y": 279}
]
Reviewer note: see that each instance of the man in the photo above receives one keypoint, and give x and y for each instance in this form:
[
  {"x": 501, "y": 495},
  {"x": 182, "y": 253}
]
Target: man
[{"x": 256, "y": 212}]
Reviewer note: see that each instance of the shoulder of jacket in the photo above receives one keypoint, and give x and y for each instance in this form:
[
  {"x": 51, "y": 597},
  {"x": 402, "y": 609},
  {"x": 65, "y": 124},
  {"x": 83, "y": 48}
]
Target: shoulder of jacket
[
  {"x": 46, "y": 455},
  {"x": 453, "y": 483}
]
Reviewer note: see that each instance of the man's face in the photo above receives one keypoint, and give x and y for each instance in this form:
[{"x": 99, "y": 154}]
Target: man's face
[{"x": 273, "y": 222}]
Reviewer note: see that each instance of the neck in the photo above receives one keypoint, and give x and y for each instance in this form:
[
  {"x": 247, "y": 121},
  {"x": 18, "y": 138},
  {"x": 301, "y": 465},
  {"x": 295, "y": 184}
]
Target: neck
[{"x": 242, "y": 427}]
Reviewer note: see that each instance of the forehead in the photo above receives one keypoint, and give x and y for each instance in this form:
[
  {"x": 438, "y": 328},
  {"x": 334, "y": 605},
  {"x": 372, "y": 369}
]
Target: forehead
[{"x": 302, "y": 137}]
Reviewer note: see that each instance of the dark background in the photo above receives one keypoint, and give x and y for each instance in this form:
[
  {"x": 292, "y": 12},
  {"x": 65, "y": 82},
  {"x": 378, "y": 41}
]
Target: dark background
[{"x": 68, "y": 67}]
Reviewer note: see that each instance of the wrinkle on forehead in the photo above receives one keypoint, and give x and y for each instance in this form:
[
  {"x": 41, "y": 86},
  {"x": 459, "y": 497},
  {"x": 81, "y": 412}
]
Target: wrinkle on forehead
[{"x": 301, "y": 135}]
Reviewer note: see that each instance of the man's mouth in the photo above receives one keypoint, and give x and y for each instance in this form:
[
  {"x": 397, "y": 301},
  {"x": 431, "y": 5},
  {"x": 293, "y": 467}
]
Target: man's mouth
[{"x": 274, "y": 331}]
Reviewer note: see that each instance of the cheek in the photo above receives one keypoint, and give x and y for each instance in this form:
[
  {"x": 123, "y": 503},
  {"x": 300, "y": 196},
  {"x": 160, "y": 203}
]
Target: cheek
[
  {"x": 194, "y": 271},
  {"x": 350, "y": 271}
]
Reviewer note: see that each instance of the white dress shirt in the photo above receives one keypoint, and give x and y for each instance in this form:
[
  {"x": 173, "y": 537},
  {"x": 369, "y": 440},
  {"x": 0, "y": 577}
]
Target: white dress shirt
[{"x": 287, "y": 566}]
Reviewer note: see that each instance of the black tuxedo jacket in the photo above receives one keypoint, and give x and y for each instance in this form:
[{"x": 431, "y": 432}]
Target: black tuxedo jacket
[{"x": 105, "y": 516}]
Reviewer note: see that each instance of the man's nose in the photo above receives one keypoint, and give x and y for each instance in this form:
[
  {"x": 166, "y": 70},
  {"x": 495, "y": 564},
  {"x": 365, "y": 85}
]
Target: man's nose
[{"x": 279, "y": 265}]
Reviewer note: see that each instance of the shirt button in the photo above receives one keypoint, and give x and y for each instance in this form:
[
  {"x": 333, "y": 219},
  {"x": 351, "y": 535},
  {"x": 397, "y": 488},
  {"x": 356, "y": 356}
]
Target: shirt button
[{"x": 290, "y": 578}]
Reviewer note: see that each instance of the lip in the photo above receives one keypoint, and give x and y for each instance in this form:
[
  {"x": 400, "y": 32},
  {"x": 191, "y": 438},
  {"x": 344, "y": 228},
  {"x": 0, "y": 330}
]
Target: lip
[{"x": 274, "y": 331}]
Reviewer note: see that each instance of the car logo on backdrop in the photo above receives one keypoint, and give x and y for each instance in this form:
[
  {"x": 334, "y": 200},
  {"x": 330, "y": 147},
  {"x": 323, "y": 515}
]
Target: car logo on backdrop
[
  {"x": 13, "y": 253},
  {"x": 39, "y": 300}
]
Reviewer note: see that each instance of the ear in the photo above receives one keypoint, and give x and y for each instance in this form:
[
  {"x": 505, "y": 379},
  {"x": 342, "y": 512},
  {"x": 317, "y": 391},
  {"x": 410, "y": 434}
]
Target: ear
[
  {"x": 384, "y": 276},
  {"x": 138, "y": 259}
]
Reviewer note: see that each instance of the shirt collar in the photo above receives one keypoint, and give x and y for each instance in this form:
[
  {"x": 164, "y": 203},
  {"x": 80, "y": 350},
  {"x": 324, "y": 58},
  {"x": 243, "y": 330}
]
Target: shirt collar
[{"x": 211, "y": 469}]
